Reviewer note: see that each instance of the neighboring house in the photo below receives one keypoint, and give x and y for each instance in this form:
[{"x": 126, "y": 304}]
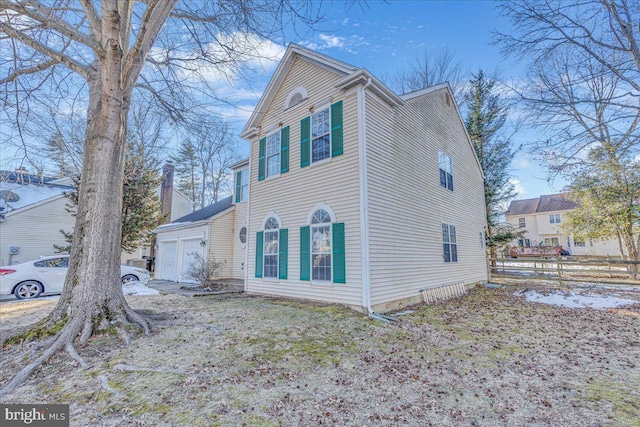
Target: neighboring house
[
  {"x": 217, "y": 231},
  {"x": 173, "y": 205},
  {"x": 542, "y": 220},
  {"x": 357, "y": 195},
  {"x": 32, "y": 213},
  {"x": 34, "y": 210}
]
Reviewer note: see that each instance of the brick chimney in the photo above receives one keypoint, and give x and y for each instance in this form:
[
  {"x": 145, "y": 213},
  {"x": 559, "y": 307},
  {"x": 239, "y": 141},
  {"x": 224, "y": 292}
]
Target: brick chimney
[{"x": 166, "y": 190}]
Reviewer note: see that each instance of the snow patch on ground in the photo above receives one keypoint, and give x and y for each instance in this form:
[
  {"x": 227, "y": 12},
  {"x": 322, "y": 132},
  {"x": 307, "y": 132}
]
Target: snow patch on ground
[
  {"x": 574, "y": 300},
  {"x": 137, "y": 288}
]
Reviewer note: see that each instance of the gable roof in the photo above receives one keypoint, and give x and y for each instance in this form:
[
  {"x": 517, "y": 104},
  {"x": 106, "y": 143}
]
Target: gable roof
[
  {"x": 546, "y": 203},
  {"x": 20, "y": 190},
  {"x": 206, "y": 212},
  {"x": 351, "y": 76},
  {"x": 293, "y": 51}
]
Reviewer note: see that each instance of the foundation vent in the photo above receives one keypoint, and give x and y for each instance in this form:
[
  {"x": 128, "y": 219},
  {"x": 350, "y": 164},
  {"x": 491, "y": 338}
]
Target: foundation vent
[{"x": 444, "y": 292}]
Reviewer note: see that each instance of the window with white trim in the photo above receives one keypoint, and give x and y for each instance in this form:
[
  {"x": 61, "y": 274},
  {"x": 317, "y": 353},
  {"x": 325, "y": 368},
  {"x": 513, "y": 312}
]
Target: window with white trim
[
  {"x": 449, "y": 243},
  {"x": 554, "y": 219},
  {"x": 446, "y": 171},
  {"x": 273, "y": 153},
  {"x": 522, "y": 223},
  {"x": 320, "y": 135},
  {"x": 270, "y": 253},
  {"x": 321, "y": 246},
  {"x": 244, "y": 184},
  {"x": 579, "y": 243}
]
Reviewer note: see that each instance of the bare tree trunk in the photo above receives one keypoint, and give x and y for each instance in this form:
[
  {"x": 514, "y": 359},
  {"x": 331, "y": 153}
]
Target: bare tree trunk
[{"x": 92, "y": 297}]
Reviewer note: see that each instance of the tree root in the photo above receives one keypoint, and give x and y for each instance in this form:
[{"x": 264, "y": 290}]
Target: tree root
[
  {"x": 131, "y": 368},
  {"x": 72, "y": 352},
  {"x": 66, "y": 335},
  {"x": 81, "y": 329},
  {"x": 104, "y": 382}
]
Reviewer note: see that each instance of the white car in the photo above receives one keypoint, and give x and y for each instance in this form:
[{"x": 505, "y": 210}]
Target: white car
[{"x": 46, "y": 275}]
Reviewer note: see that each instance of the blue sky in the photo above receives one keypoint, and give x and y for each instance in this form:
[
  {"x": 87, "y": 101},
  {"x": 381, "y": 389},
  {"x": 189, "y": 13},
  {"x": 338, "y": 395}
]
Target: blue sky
[{"x": 385, "y": 37}]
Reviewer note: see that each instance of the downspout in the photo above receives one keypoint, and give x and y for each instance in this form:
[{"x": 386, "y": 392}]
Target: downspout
[
  {"x": 246, "y": 246},
  {"x": 364, "y": 206}
]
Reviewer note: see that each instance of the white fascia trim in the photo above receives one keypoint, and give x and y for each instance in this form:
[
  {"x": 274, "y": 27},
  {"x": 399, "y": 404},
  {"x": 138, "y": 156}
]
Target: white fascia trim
[
  {"x": 364, "y": 199},
  {"x": 363, "y": 76},
  {"x": 331, "y": 64},
  {"x": 240, "y": 164},
  {"x": 186, "y": 225},
  {"x": 424, "y": 91},
  {"x": 34, "y": 205}
]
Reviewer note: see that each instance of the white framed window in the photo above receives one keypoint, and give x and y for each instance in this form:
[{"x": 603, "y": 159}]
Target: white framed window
[
  {"x": 244, "y": 184},
  {"x": 242, "y": 235},
  {"x": 555, "y": 241},
  {"x": 273, "y": 154},
  {"x": 271, "y": 247},
  {"x": 320, "y": 135},
  {"x": 522, "y": 223},
  {"x": 321, "y": 245},
  {"x": 446, "y": 171},
  {"x": 554, "y": 219},
  {"x": 449, "y": 243}
]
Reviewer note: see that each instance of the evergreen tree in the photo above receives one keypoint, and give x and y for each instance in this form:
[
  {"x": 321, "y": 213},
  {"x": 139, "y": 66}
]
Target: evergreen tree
[
  {"x": 485, "y": 119},
  {"x": 140, "y": 202}
]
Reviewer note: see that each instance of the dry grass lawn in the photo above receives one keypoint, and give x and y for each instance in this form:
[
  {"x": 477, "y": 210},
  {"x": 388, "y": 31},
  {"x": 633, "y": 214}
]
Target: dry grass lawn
[{"x": 487, "y": 359}]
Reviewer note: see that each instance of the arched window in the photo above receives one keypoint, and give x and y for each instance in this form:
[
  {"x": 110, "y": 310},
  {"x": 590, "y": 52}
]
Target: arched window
[
  {"x": 271, "y": 233},
  {"x": 321, "y": 245},
  {"x": 296, "y": 96}
]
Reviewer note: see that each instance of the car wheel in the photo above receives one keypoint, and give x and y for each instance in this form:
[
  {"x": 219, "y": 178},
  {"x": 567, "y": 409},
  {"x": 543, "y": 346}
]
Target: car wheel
[
  {"x": 28, "y": 290},
  {"x": 129, "y": 278}
]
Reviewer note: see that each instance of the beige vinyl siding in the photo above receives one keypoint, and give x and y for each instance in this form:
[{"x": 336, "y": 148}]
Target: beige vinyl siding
[
  {"x": 407, "y": 205},
  {"x": 221, "y": 242},
  {"x": 240, "y": 219},
  {"x": 35, "y": 230},
  {"x": 292, "y": 195},
  {"x": 180, "y": 205}
]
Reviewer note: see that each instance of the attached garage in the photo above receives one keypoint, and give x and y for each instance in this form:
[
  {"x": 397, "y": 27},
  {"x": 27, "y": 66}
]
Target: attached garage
[{"x": 179, "y": 241}]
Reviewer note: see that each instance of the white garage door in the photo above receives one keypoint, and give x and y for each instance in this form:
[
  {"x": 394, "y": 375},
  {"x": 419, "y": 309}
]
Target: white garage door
[
  {"x": 189, "y": 249},
  {"x": 168, "y": 256}
]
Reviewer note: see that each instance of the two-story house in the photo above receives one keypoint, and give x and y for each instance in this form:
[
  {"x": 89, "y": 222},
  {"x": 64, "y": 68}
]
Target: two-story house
[
  {"x": 542, "y": 218},
  {"x": 357, "y": 195},
  {"x": 352, "y": 194}
]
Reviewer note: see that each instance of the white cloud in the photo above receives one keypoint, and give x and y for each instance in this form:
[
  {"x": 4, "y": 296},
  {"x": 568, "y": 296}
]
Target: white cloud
[
  {"x": 519, "y": 188},
  {"x": 345, "y": 21},
  {"x": 523, "y": 163},
  {"x": 242, "y": 52}
]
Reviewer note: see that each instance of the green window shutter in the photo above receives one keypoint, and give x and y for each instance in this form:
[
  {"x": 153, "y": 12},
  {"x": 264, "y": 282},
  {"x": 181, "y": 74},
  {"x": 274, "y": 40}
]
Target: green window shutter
[
  {"x": 339, "y": 273},
  {"x": 283, "y": 253},
  {"x": 261, "y": 159},
  {"x": 336, "y": 129},
  {"x": 305, "y": 255},
  {"x": 305, "y": 141},
  {"x": 284, "y": 150},
  {"x": 259, "y": 249},
  {"x": 238, "y": 185}
]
